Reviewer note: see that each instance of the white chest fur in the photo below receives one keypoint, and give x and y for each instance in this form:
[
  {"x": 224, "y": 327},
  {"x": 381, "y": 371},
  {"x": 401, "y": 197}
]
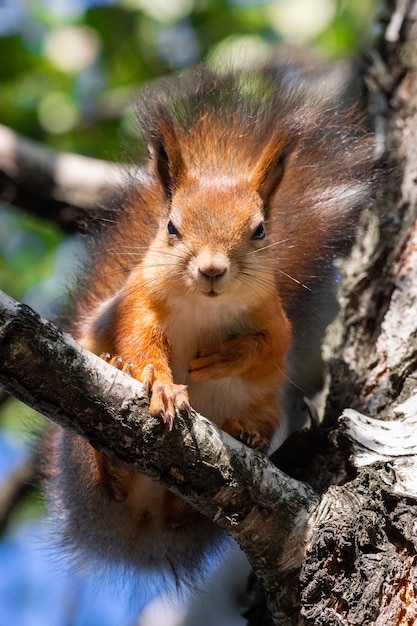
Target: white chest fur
[{"x": 194, "y": 324}]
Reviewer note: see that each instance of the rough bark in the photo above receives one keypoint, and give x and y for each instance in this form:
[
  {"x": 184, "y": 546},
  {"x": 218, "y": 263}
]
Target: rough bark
[{"x": 361, "y": 564}]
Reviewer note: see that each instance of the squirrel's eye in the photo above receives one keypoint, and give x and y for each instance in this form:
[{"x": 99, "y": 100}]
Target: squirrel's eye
[
  {"x": 259, "y": 232},
  {"x": 171, "y": 229}
]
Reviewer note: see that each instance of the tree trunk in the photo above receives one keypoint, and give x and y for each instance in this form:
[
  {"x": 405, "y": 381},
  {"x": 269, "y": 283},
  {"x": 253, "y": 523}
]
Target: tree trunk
[{"x": 360, "y": 567}]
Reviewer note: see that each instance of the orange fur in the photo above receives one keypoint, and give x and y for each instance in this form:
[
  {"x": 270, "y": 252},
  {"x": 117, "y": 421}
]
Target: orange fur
[
  {"x": 204, "y": 277},
  {"x": 248, "y": 321}
]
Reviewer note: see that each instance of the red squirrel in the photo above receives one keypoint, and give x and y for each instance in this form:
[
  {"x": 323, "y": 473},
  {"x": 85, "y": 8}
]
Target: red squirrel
[{"x": 201, "y": 282}]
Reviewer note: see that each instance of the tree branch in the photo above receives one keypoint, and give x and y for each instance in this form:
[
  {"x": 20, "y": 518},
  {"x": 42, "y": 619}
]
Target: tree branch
[
  {"x": 60, "y": 187},
  {"x": 258, "y": 505}
]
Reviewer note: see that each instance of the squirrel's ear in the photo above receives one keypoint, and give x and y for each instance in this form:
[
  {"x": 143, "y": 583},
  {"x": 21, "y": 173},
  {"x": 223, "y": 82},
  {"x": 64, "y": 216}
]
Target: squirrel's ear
[
  {"x": 270, "y": 168},
  {"x": 166, "y": 156}
]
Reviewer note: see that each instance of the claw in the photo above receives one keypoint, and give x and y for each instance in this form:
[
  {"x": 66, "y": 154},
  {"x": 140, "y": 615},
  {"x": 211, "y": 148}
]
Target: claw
[
  {"x": 250, "y": 438},
  {"x": 129, "y": 368},
  {"x": 167, "y": 418},
  {"x": 164, "y": 396},
  {"x": 148, "y": 378},
  {"x": 117, "y": 361},
  {"x": 185, "y": 407},
  {"x": 181, "y": 399}
]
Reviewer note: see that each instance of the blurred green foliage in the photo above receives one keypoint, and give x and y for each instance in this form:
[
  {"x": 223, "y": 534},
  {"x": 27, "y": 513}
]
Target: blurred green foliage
[
  {"x": 81, "y": 104},
  {"x": 27, "y": 251},
  {"x": 71, "y": 68}
]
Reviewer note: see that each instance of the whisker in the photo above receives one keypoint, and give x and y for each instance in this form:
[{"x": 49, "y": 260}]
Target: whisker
[
  {"x": 101, "y": 277},
  {"x": 293, "y": 279},
  {"x": 271, "y": 245},
  {"x": 137, "y": 287},
  {"x": 255, "y": 282},
  {"x": 167, "y": 265},
  {"x": 246, "y": 282},
  {"x": 291, "y": 381},
  {"x": 256, "y": 270},
  {"x": 135, "y": 248},
  {"x": 259, "y": 279},
  {"x": 282, "y": 241},
  {"x": 107, "y": 220},
  {"x": 162, "y": 253}
]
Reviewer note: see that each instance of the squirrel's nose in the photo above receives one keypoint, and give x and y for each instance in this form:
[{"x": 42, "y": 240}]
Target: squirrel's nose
[
  {"x": 212, "y": 272},
  {"x": 212, "y": 264}
]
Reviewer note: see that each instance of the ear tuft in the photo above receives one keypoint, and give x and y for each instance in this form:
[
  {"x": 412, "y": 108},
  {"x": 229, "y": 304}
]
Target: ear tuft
[
  {"x": 166, "y": 156},
  {"x": 270, "y": 168}
]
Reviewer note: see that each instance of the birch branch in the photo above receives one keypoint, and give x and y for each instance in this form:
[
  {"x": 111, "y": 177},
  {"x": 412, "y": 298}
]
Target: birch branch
[
  {"x": 240, "y": 489},
  {"x": 62, "y": 187}
]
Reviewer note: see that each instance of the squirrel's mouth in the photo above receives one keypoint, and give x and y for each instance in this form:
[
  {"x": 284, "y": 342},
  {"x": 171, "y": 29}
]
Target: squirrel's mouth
[{"x": 212, "y": 293}]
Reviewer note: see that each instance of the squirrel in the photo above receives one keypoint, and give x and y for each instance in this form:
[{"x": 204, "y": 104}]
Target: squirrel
[{"x": 200, "y": 282}]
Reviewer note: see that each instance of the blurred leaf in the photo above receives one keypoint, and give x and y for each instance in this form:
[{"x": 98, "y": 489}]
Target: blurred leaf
[
  {"x": 19, "y": 418},
  {"x": 27, "y": 250}
]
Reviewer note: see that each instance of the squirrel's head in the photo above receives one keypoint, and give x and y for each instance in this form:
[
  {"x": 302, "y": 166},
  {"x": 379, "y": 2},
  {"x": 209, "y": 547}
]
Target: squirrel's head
[
  {"x": 217, "y": 194},
  {"x": 251, "y": 180},
  {"x": 216, "y": 227},
  {"x": 217, "y": 220}
]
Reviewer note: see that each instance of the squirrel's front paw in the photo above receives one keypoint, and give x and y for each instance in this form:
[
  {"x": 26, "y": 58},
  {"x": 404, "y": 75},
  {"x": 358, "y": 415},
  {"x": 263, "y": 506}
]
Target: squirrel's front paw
[
  {"x": 165, "y": 396},
  {"x": 119, "y": 363},
  {"x": 247, "y": 435},
  {"x": 210, "y": 363}
]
